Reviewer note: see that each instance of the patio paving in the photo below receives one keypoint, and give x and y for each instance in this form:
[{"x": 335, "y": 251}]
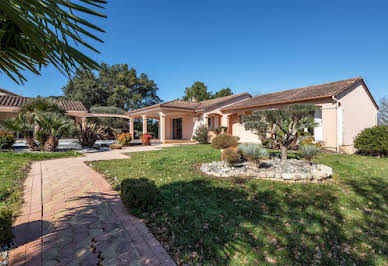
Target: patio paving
[{"x": 72, "y": 216}]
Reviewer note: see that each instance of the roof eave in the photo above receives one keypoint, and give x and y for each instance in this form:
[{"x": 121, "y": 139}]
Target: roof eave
[{"x": 275, "y": 103}]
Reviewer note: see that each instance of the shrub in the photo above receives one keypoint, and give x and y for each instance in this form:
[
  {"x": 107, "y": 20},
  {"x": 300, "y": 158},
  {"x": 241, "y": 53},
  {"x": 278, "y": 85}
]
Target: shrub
[
  {"x": 138, "y": 193},
  {"x": 373, "y": 141},
  {"x": 224, "y": 141},
  {"x": 221, "y": 129},
  {"x": 124, "y": 138},
  {"x": 7, "y": 139},
  {"x": 89, "y": 134},
  {"x": 231, "y": 156},
  {"x": 306, "y": 140},
  {"x": 201, "y": 134},
  {"x": 146, "y": 139},
  {"x": 252, "y": 151},
  {"x": 5, "y": 225},
  {"x": 309, "y": 152}
]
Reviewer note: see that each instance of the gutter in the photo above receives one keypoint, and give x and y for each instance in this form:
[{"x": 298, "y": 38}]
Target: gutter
[{"x": 337, "y": 120}]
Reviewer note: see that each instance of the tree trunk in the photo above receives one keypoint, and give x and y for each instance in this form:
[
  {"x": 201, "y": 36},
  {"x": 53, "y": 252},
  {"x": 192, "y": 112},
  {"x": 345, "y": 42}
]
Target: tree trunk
[
  {"x": 31, "y": 143},
  {"x": 51, "y": 144},
  {"x": 284, "y": 153}
]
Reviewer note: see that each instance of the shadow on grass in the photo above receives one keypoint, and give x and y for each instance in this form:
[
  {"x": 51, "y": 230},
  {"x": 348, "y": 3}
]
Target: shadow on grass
[{"x": 198, "y": 221}]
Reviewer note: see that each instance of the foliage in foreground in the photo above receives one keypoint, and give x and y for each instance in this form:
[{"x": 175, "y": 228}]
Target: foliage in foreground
[
  {"x": 206, "y": 220},
  {"x": 373, "y": 141},
  {"x": 13, "y": 169},
  {"x": 36, "y": 33}
]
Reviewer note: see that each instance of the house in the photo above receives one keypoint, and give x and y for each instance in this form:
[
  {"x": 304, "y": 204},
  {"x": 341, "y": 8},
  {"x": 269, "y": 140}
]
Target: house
[{"x": 344, "y": 108}]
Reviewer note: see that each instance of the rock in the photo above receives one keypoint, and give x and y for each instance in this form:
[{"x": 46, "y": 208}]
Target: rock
[
  {"x": 291, "y": 170},
  {"x": 115, "y": 146},
  {"x": 288, "y": 176}
]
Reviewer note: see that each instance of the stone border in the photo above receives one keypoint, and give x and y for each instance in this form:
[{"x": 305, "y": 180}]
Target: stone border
[{"x": 27, "y": 227}]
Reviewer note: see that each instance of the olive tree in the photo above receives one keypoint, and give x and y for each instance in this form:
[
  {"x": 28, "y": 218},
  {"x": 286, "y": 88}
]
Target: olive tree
[{"x": 281, "y": 125}]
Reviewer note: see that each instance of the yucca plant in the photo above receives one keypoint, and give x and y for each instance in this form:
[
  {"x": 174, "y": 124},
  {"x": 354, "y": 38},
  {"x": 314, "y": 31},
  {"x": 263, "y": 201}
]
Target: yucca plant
[
  {"x": 89, "y": 134},
  {"x": 254, "y": 152},
  {"x": 54, "y": 126},
  {"x": 309, "y": 152},
  {"x": 23, "y": 125},
  {"x": 38, "y": 33}
]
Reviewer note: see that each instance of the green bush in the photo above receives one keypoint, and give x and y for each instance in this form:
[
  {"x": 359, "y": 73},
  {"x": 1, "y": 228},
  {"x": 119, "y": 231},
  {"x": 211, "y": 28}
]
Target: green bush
[
  {"x": 373, "y": 141},
  {"x": 309, "y": 152},
  {"x": 5, "y": 225},
  {"x": 138, "y": 193},
  {"x": 7, "y": 139},
  {"x": 252, "y": 151},
  {"x": 201, "y": 134},
  {"x": 231, "y": 156},
  {"x": 224, "y": 141}
]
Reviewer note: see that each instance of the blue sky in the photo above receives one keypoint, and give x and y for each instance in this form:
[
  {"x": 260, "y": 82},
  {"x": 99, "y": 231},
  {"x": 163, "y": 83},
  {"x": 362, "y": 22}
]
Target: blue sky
[{"x": 254, "y": 46}]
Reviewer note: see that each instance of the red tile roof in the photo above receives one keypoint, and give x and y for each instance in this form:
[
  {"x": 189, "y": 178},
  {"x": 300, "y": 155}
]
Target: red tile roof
[
  {"x": 193, "y": 106},
  {"x": 8, "y": 92},
  {"x": 17, "y": 101},
  {"x": 326, "y": 90}
]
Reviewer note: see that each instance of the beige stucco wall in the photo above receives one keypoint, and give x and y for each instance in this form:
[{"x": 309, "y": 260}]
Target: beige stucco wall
[
  {"x": 329, "y": 125},
  {"x": 6, "y": 115},
  {"x": 187, "y": 125},
  {"x": 359, "y": 112},
  {"x": 329, "y": 130}
]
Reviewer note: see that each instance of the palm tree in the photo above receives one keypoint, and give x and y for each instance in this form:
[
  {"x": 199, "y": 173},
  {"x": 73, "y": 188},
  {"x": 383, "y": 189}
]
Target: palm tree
[
  {"x": 21, "y": 124},
  {"x": 36, "y": 33},
  {"x": 54, "y": 126}
]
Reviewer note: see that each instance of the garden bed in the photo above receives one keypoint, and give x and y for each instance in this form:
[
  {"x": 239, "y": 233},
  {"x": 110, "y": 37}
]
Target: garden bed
[
  {"x": 204, "y": 220},
  {"x": 273, "y": 168}
]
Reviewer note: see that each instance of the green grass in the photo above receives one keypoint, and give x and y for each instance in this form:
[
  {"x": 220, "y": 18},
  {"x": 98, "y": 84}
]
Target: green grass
[
  {"x": 13, "y": 169},
  {"x": 201, "y": 219}
]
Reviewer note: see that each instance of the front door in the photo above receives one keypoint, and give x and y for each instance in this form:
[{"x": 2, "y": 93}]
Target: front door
[{"x": 177, "y": 128}]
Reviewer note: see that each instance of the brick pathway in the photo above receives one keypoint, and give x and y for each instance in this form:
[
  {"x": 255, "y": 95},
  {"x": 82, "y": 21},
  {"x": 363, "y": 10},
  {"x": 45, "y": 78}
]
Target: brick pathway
[{"x": 71, "y": 216}]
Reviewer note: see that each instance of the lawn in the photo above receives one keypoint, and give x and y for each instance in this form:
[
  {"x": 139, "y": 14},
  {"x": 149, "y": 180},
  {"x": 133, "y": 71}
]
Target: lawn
[
  {"x": 201, "y": 219},
  {"x": 13, "y": 169}
]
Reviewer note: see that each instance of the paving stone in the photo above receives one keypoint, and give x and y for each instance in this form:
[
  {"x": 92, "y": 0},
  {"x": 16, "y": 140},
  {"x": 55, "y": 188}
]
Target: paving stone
[{"x": 80, "y": 220}]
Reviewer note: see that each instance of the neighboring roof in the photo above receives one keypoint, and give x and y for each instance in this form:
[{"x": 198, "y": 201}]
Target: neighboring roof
[
  {"x": 8, "y": 92},
  {"x": 18, "y": 101},
  {"x": 314, "y": 92},
  {"x": 191, "y": 106}
]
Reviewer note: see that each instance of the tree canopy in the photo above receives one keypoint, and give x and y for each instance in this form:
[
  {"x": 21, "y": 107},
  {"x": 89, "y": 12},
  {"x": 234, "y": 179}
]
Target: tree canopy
[
  {"x": 39, "y": 33},
  {"x": 199, "y": 92},
  {"x": 383, "y": 111},
  {"x": 115, "y": 85},
  {"x": 281, "y": 125}
]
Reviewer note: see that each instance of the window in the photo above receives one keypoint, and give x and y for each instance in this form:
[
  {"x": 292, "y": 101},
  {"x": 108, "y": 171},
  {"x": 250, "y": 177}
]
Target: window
[{"x": 210, "y": 122}]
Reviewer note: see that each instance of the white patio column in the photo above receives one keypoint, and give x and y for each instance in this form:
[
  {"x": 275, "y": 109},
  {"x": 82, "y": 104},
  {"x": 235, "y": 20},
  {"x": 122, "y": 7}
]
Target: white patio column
[
  {"x": 205, "y": 120},
  {"x": 84, "y": 122},
  {"x": 162, "y": 127},
  {"x": 131, "y": 129},
  {"x": 144, "y": 124},
  {"x": 225, "y": 120}
]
